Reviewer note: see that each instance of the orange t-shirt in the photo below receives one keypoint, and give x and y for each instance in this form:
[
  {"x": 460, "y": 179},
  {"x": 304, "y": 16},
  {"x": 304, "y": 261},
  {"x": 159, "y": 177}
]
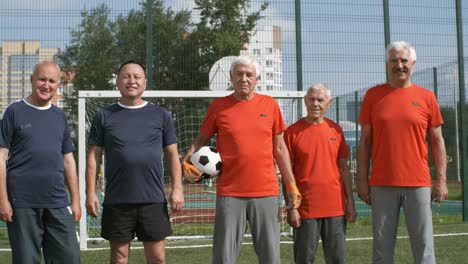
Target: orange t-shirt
[
  {"x": 245, "y": 131},
  {"x": 315, "y": 150},
  {"x": 399, "y": 118}
]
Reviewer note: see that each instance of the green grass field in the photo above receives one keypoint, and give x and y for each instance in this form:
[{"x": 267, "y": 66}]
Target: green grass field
[{"x": 451, "y": 243}]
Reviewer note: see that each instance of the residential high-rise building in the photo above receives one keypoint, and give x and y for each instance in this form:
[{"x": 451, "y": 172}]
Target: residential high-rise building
[
  {"x": 18, "y": 59},
  {"x": 265, "y": 47}
]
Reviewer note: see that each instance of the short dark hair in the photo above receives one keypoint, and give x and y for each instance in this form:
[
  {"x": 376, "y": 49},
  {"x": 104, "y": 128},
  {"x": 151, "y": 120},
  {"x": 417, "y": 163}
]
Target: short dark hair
[{"x": 131, "y": 62}]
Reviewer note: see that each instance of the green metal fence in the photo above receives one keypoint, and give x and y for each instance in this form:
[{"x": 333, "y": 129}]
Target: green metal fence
[{"x": 338, "y": 42}]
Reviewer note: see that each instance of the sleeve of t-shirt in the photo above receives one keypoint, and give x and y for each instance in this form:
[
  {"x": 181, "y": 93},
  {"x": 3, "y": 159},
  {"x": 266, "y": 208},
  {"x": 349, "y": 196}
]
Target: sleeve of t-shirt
[
  {"x": 96, "y": 133},
  {"x": 278, "y": 125},
  {"x": 169, "y": 136},
  {"x": 208, "y": 127},
  {"x": 365, "y": 114},
  {"x": 436, "y": 116},
  {"x": 7, "y": 128},
  {"x": 343, "y": 151},
  {"x": 67, "y": 145}
]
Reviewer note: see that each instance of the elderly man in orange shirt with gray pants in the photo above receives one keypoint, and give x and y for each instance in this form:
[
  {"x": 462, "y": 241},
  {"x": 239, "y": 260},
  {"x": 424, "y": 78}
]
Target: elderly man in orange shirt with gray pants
[{"x": 395, "y": 118}]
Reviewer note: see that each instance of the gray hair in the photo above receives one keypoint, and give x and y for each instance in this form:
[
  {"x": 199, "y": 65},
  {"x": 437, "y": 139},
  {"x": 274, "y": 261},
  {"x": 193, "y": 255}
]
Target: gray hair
[
  {"x": 245, "y": 60},
  {"x": 400, "y": 45},
  {"x": 320, "y": 86},
  {"x": 36, "y": 68}
]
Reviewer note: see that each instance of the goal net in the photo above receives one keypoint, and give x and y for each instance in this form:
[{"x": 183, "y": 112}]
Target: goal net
[{"x": 188, "y": 109}]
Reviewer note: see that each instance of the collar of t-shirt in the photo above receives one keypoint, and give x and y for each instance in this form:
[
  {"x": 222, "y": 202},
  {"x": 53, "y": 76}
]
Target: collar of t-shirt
[
  {"x": 38, "y": 107},
  {"x": 133, "y": 106}
]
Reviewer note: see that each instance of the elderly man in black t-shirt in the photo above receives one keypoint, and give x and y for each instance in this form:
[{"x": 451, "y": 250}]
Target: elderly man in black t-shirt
[
  {"x": 35, "y": 140},
  {"x": 134, "y": 134}
]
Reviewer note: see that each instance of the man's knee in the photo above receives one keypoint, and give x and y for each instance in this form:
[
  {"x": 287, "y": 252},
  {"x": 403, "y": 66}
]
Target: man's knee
[
  {"x": 155, "y": 260},
  {"x": 118, "y": 259}
]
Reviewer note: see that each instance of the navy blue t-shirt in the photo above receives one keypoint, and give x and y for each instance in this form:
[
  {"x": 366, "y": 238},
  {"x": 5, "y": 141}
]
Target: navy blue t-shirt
[
  {"x": 37, "y": 138},
  {"x": 133, "y": 139}
]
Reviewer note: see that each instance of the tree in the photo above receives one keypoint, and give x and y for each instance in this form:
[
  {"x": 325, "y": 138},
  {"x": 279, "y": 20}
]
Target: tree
[{"x": 183, "y": 51}]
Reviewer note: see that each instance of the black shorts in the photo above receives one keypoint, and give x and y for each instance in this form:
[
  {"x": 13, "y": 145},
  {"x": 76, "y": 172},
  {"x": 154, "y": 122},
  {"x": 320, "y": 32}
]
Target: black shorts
[{"x": 150, "y": 222}]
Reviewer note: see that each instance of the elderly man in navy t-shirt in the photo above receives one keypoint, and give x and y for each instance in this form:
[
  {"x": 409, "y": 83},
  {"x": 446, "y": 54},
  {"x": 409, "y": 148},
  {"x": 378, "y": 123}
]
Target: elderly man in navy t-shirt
[
  {"x": 134, "y": 134},
  {"x": 36, "y": 162}
]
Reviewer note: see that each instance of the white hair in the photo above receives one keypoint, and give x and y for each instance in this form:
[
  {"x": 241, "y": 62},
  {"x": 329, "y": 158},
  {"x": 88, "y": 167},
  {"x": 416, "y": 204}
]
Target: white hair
[
  {"x": 400, "y": 45},
  {"x": 38, "y": 65},
  {"x": 245, "y": 60},
  {"x": 320, "y": 86}
]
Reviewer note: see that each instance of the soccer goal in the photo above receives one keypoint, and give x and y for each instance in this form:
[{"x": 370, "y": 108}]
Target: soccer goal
[{"x": 188, "y": 109}]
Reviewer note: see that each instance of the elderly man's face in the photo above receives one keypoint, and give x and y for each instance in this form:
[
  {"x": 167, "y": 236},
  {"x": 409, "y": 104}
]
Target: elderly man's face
[
  {"x": 244, "y": 79},
  {"x": 45, "y": 81},
  {"x": 131, "y": 81},
  {"x": 317, "y": 102},
  {"x": 400, "y": 66}
]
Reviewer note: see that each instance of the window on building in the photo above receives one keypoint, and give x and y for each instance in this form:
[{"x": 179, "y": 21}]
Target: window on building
[
  {"x": 269, "y": 76},
  {"x": 269, "y": 87},
  {"x": 269, "y": 63},
  {"x": 256, "y": 51},
  {"x": 269, "y": 51}
]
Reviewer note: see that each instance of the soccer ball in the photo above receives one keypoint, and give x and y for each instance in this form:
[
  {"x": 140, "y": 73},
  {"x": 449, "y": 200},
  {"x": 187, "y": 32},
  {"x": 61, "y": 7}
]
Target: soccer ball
[{"x": 207, "y": 160}]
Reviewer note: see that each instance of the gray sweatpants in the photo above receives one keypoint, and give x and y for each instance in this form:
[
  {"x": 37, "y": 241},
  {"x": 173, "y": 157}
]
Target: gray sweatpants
[
  {"x": 416, "y": 203},
  {"x": 232, "y": 215},
  {"x": 332, "y": 230}
]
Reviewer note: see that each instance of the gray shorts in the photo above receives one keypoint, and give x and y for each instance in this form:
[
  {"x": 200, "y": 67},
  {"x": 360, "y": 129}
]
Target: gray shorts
[
  {"x": 232, "y": 215},
  {"x": 52, "y": 229}
]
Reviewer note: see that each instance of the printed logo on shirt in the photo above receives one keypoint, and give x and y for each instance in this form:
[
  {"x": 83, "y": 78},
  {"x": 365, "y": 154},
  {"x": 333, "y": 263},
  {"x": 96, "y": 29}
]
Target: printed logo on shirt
[
  {"x": 333, "y": 139},
  {"x": 24, "y": 126},
  {"x": 263, "y": 115},
  {"x": 415, "y": 104}
]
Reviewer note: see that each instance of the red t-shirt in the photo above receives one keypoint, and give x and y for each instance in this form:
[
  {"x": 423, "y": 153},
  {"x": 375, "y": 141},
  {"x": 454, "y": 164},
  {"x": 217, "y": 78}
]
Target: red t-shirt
[
  {"x": 315, "y": 150},
  {"x": 245, "y": 131},
  {"x": 399, "y": 118}
]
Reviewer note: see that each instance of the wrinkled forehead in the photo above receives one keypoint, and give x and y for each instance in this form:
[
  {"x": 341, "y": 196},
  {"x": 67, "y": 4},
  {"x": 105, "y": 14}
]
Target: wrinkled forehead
[{"x": 50, "y": 70}]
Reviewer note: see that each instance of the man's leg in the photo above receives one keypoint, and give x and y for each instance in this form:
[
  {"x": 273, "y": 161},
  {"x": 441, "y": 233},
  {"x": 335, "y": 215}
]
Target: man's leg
[
  {"x": 155, "y": 251},
  {"x": 334, "y": 239},
  {"x": 118, "y": 226},
  {"x": 385, "y": 216},
  {"x": 417, "y": 206},
  {"x": 25, "y": 234},
  {"x": 152, "y": 228},
  {"x": 119, "y": 252},
  {"x": 229, "y": 230},
  {"x": 264, "y": 220},
  {"x": 60, "y": 243},
  {"x": 306, "y": 240}
]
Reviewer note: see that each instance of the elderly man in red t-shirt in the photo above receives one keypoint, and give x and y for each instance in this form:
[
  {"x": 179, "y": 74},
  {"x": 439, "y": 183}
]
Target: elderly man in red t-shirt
[
  {"x": 395, "y": 118},
  {"x": 249, "y": 128},
  {"x": 319, "y": 154}
]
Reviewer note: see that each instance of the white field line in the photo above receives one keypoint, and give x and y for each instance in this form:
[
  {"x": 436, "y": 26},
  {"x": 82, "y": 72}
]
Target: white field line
[{"x": 250, "y": 243}]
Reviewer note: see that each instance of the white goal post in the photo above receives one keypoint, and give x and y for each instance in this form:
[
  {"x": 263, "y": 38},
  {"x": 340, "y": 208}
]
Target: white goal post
[{"x": 290, "y": 102}]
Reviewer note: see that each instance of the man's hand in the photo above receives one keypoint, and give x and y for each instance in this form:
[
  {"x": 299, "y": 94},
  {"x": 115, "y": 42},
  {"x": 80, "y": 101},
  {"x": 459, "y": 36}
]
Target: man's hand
[
  {"x": 92, "y": 204},
  {"x": 294, "y": 218},
  {"x": 364, "y": 191},
  {"x": 439, "y": 192},
  {"x": 76, "y": 210},
  {"x": 351, "y": 213},
  {"x": 6, "y": 212},
  {"x": 294, "y": 196},
  {"x": 176, "y": 199},
  {"x": 190, "y": 172}
]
